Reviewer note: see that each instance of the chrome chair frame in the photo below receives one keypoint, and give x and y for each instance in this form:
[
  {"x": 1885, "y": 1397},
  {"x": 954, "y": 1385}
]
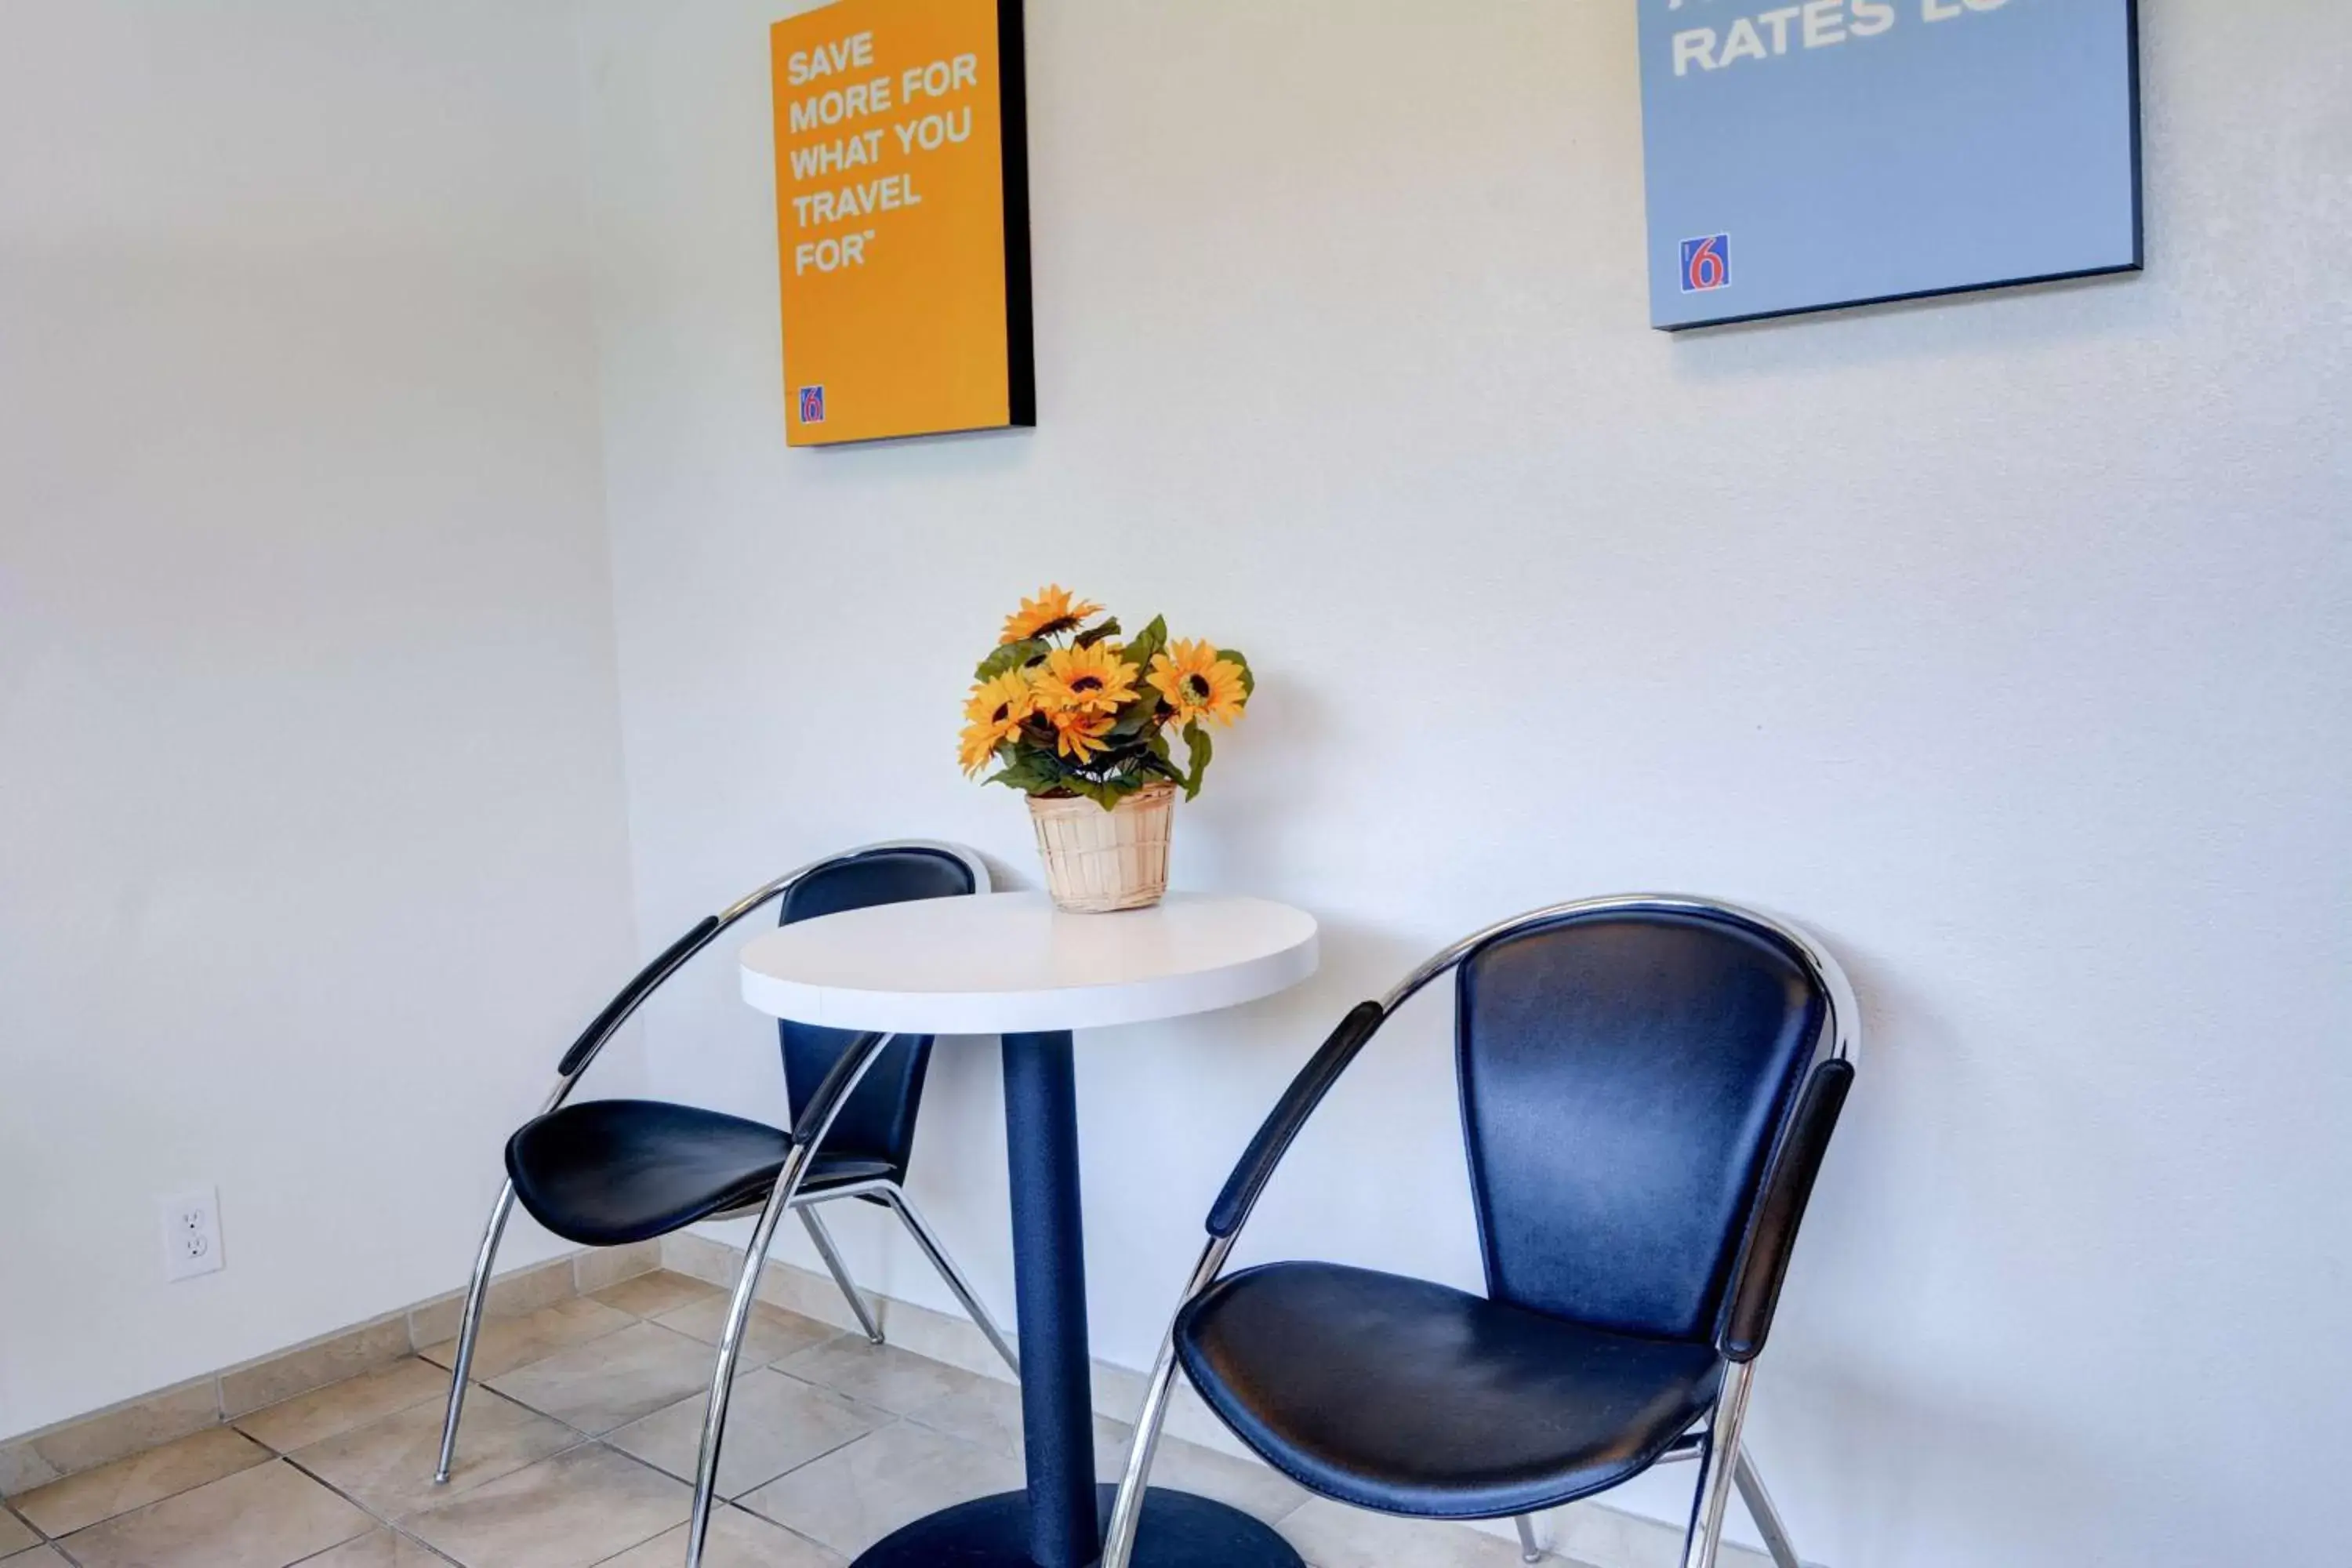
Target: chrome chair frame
[
  {"x": 808, "y": 1134},
  {"x": 1715, "y": 1442}
]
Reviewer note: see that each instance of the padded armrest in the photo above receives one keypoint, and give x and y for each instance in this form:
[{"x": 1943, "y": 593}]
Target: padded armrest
[
  {"x": 1755, "y": 1291},
  {"x": 1297, "y": 1103},
  {"x": 601, "y": 1028}
]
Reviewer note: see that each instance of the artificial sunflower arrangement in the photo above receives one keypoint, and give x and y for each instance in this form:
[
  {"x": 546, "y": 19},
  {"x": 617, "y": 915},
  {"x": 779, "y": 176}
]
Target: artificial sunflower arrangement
[{"x": 1063, "y": 707}]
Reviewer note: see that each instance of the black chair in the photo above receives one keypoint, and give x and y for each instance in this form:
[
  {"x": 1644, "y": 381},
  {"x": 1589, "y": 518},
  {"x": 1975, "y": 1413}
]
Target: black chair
[
  {"x": 613, "y": 1172},
  {"x": 1648, "y": 1085}
]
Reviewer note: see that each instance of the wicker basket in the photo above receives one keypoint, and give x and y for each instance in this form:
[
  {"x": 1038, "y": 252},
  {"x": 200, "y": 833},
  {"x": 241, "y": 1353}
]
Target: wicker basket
[{"x": 1098, "y": 860}]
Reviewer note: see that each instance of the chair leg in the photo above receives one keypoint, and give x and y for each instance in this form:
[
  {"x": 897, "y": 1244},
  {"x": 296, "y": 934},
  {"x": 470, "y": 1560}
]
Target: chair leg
[
  {"x": 730, "y": 1346},
  {"x": 1126, "y": 1513},
  {"x": 469, "y": 1327},
  {"x": 1767, "y": 1517},
  {"x": 840, "y": 1271},
  {"x": 936, "y": 1250},
  {"x": 1528, "y": 1551},
  {"x": 1714, "y": 1497}
]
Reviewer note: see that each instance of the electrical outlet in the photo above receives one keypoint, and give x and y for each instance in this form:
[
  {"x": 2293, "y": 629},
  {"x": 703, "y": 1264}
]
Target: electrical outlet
[{"x": 191, "y": 1233}]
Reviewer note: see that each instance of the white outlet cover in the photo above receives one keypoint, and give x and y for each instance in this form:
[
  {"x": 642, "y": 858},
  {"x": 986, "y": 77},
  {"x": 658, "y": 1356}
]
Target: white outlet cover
[{"x": 191, "y": 1232}]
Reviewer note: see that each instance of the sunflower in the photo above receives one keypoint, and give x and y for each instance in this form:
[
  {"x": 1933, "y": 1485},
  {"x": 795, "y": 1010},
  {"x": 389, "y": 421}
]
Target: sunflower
[
  {"x": 995, "y": 713},
  {"x": 1050, "y": 614},
  {"x": 1198, "y": 684},
  {"x": 1087, "y": 680},
  {"x": 1078, "y": 735}
]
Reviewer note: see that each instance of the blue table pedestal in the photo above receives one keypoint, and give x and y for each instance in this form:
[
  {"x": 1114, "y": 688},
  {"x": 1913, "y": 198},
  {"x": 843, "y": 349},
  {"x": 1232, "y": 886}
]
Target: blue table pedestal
[
  {"x": 1179, "y": 1531},
  {"x": 1057, "y": 1522}
]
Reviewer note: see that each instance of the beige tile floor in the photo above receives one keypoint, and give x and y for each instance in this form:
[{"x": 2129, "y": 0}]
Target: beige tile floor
[{"x": 576, "y": 1453}]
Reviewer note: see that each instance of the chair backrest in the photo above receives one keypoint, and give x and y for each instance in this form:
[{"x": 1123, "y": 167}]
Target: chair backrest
[
  {"x": 879, "y": 1122},
  {"x": 1626, "y": 1076}
]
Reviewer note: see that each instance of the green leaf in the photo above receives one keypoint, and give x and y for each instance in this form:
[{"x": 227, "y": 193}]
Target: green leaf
[
  {"x": 1088, "y": 638},
  {"x": 1027, "y": 769},
  {"x": 1115, "y": 762},
  {"x": 1011, "y": 657},
  {"x": 1142, "y": 715},
  {"x": 1249, "y": 681},
  {"x": 1147, "y": 645},
  {"x": 1104, "y": 793},
  {"x": 1198, "y": 751},
  {"x": 1138, "y": 719}
]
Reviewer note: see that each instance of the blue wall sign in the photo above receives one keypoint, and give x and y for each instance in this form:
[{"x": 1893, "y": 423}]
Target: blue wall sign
[{"x": 1804, "y": 156}]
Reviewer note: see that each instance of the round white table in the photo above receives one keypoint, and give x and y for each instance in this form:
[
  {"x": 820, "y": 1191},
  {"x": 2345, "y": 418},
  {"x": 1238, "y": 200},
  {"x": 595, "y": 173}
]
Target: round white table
[{"x": 1010, "y": 965}]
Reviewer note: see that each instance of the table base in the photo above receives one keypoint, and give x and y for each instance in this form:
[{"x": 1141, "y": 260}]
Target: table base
[{"x": 1179, "y": 1531}]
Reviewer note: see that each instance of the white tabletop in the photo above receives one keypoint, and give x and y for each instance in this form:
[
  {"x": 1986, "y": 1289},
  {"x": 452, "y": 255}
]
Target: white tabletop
[{"x": 1012, "y": 964}]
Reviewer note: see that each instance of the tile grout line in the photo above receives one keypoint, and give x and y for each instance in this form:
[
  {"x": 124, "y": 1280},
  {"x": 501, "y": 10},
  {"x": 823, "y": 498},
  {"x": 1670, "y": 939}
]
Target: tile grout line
[
  {"x": 656, "y": 1469},
  {"x": 58, "y": 1546},
  {"x": 40, "y": 1536},
  {"x": 476, "y": 1388},
  {"x": 722, "y": 1501},
  {"x": 776, "y": 1366},
  {"x": 585, "y": 1439},
  {"x": 301, "y": 1469},
  {"x": 386, "y": 1521},
  {"x": 788, "y": 1529}
]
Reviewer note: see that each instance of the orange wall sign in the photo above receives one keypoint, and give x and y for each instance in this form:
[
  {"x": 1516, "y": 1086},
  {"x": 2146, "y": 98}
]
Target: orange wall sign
[{"x": 902, "y": 219}]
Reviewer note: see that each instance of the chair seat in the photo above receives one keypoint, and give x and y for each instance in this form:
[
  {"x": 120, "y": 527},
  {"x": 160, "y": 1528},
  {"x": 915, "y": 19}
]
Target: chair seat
[
  {"x": 1406, "y": 1397},
  {"x": 605, "y": 1173}
]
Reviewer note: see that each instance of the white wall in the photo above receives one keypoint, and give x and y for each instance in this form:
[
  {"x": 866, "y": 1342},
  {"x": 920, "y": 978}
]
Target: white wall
[
  {"x": 311, "y": 842},
  {"x": 2001, "y": 640}
]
